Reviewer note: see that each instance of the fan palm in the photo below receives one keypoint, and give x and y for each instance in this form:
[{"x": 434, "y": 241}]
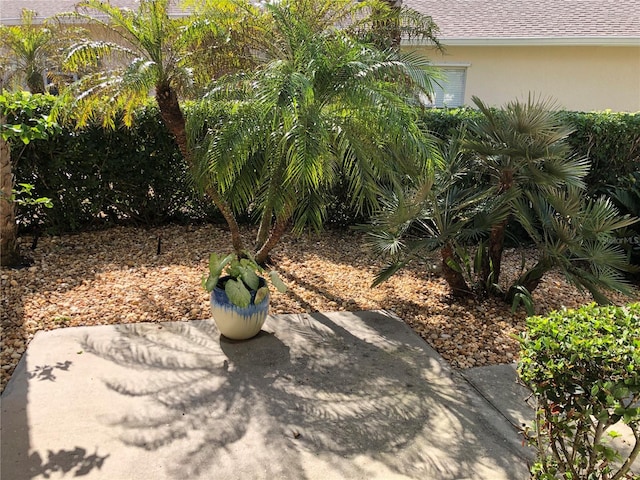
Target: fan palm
[
  {"x": 575, "y": 235},
  {"x": 445, "y": 214},
  {"x": 523, "y": 149},
  {"x": 324, "y": 105}
]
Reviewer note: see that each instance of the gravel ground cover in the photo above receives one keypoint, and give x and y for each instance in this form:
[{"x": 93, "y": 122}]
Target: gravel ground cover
[{"x": 117, "y": 276}]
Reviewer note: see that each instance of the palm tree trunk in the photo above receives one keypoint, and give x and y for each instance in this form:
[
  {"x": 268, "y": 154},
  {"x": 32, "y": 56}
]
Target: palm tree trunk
[
  {"x": 35, "y": 82},
  {"x": 267, "y": 214},
  {"x": 492, "y": 262},
  {"x": 276, "y": 233},
  {"x": 9, "y": 253},
  {"x": 454, "y": 278},
  {"x": 173, "y": 118},
  {"x": 265, "y": 226}
]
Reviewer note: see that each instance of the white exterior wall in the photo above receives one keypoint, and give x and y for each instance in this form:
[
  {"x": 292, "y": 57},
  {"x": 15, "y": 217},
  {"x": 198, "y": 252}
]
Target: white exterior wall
[{"x": 583, "y": 78}]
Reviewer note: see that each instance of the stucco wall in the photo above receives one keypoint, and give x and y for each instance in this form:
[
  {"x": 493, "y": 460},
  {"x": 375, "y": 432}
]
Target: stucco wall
[{"x": 579, "y": 78}]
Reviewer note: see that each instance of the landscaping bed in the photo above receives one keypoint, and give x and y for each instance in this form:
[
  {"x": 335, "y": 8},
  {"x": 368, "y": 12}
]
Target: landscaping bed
[{"x": 117, "y": 276}]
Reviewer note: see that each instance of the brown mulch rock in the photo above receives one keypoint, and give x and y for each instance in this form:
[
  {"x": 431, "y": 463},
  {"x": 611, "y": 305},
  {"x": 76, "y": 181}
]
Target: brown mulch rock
[{"x": 116, "y": 276}]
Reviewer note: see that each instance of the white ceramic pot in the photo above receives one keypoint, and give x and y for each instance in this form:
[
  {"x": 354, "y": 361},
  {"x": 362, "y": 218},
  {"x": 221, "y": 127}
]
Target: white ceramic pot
[{"x": 235, "y": 322}]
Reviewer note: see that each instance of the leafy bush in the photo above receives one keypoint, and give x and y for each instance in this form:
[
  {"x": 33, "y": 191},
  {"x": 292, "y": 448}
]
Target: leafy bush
[
  {"x": 440, "y": 122},
  {"x": 612, "y": 143},
  {"x": 583, "y": 367},
  {"x": 96, "y": 175}
]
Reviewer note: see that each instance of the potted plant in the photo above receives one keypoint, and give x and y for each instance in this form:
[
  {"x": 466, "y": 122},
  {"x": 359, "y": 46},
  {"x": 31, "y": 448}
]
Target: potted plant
[{"x": 239, "y": 294}]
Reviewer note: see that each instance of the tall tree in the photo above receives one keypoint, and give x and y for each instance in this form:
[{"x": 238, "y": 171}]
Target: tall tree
[
  {"x": 324, "y": 106},
  {"x": 149, "y": 51}
]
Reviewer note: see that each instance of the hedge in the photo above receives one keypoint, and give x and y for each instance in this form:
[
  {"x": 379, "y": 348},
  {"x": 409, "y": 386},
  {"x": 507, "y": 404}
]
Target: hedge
[{"x": 97, "y": 176}]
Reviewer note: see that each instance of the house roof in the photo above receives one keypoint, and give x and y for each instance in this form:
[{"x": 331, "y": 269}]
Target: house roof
[
  {"x": 524, "y": 22},
  {"x": 10, "y": 10},
  {"x": 467, "y": 22}
]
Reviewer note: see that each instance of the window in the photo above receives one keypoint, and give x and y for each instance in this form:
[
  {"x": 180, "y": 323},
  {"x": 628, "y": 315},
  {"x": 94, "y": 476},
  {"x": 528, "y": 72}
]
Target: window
[{"x": 450, "y": 91}]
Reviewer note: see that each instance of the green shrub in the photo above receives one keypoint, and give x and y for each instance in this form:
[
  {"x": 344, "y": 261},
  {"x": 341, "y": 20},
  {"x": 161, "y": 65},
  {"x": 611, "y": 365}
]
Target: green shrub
[
  {"x": 440, "y": 122},
  {"x": 96, "y": 175},
  {"x": 583, "y": 367},
  {"x": 612, "y": 143}
]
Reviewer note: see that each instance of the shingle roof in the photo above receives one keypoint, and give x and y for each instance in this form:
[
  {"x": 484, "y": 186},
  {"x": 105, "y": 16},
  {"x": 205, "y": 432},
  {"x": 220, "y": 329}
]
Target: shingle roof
[
  {"x": 463, "y": 21},
  {"x": 467, "y": 21},
  {"x": 10, "y": 10}
]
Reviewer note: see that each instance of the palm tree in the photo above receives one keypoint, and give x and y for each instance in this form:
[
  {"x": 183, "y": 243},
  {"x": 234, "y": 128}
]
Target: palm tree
[
  {"x": 31, "y": 51},
  {"x": 575, "y": 235},
  {"x": 535, "y": 182},
  {"x": 523, "y": 149},
  {"x": 445, "y": 214},
  {"x": 324, "y": 105},
  {"x": 150, "y": 51},
  {"x": 392, "y": 20},
  {"x": 27, "y": 53}
]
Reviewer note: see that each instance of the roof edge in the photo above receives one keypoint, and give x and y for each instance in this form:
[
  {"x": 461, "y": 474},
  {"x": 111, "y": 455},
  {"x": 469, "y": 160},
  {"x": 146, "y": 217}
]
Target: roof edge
[{"x": 532, "y": 41}]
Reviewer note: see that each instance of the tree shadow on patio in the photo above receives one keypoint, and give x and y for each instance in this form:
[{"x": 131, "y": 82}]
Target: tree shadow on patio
[{"x": 335, "y": 388}]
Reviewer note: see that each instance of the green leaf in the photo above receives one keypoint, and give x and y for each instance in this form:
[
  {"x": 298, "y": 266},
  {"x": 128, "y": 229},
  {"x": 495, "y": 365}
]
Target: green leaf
[
  {"x": 261, "y": 294},
  {"x": 250, "y": 278},
  {"x": 216, "y": 266},
  {"x": 453, "y": 265},
  {"x": 237, "y": 293},
  {"x": 210, "y": 282},
  {"x": 277, "y": 282}
]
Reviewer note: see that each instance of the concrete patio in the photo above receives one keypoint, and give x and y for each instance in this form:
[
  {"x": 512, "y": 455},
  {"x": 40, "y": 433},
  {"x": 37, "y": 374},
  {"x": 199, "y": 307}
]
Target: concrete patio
[{"x": 315, "y": 396}]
